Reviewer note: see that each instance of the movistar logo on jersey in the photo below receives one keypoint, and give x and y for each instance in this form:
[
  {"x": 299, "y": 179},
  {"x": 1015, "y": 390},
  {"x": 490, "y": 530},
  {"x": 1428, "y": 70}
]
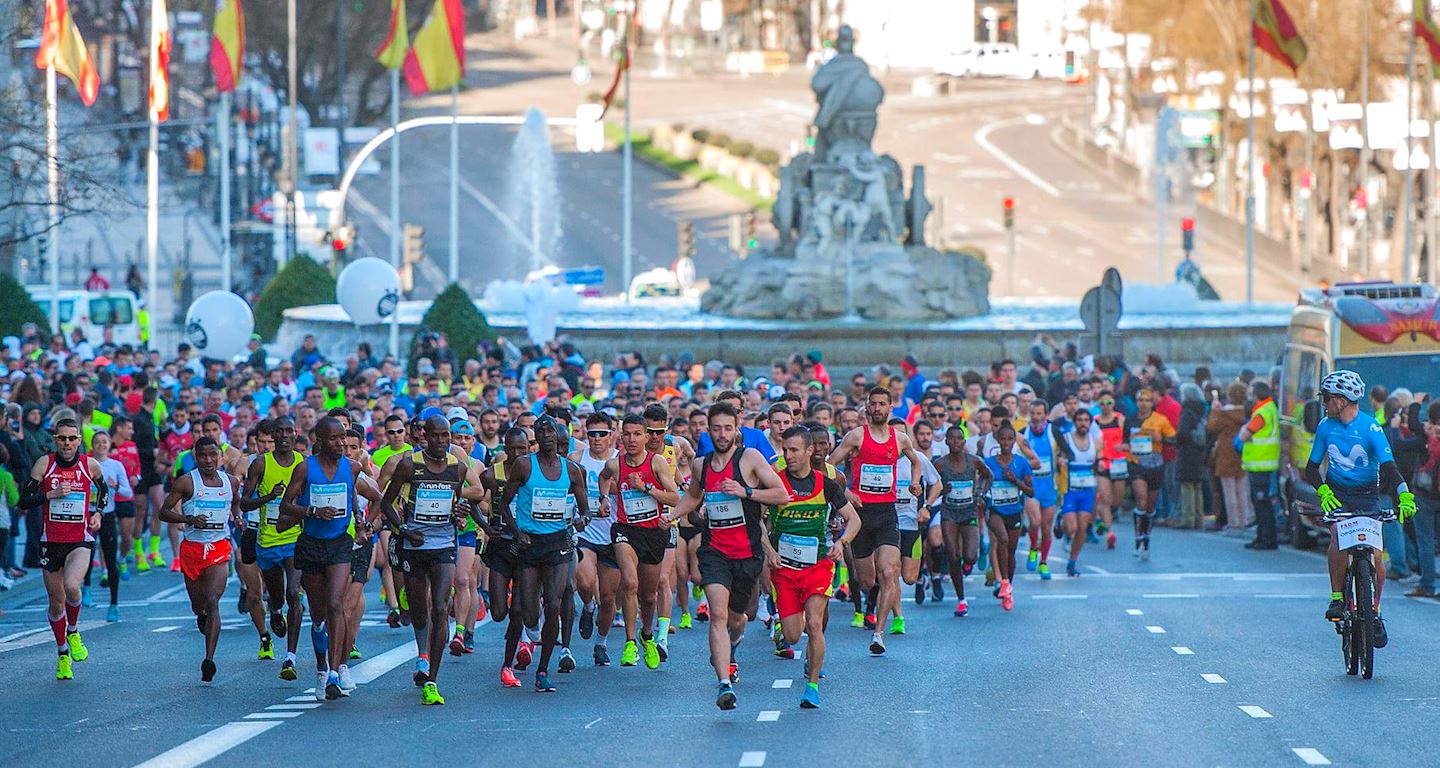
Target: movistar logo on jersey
[{"x": 1357, "y": 457}]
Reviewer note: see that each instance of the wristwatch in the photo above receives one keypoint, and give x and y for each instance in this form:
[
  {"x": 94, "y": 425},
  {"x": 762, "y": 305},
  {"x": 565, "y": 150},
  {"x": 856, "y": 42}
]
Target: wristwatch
[
  {"x": 311, "y": 512},
  {"x": 749, "y": 492}
]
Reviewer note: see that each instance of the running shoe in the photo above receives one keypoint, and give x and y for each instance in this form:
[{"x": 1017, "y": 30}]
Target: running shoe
[
  {"x": 469, "y": 641},
  {"x": 508, "y": 678},
  {"x": 277, "y": 623},
  {"x": 734, "y": 673},
  {"x": 543, "y": 684},
  {"x": 619, "y": 620},
  {"x": 347, "y": 683},
  {"x": 870, "y": 622},
  {"x": 1044, "y": 572},
  {"x": 1092, "y": 538},
  {"x": 652, "y": 653},
  {"x": 1071, "y": 570},
  {"x": 996, "y": 590},
  {"x": 807, "y": 671},
  {"x": 842, "y": 594},
  {"x": 393, "y": 619},
  {"x": 702, "y": 613},
  {"x": 431, "y": 695},
  {"x": 523, "y": 655},
  {"x": 287, "y": 670},
  {"x": 207, "y": 670},
  {"x": 1032, "y": 560},
  {"x": 1110, "y": 540},
  {"x": 175, "y": 565},
  {"x": 877, "y": 644},
  {"x": 267, "y": 648},
  {"x": 663, "y": 647},
  {"x": 989, "y": 576},
  {"x": 404, "y": 601},
  {"x": 156, "y": 560},
  {"x": 920, "y": 590},
  {"x": 125, "y": 571},
  {"x": 784, "y": 650},
  {"x": 696, "y": 591},
  {"x": 567, "y": 661},
  {"x": 937, "y": 588},
  {"x": 140, "y": 565},
  {"x": 631, "y": 655},
  {"x": 355, "y": 653},
  {"x": 1145, "y": 553},
  {"x": 422, "y": 672},
  {"x": 86, "y": 598},
  {"x": 897, "y": 625},
  {"x": 962, "y": 609},
  {"x": 63, "y": 669},
  {"x": 321, "y": 678},
  {"x": 1007, "y": 596},
  {"x": 1381, "y": 638},
  {"x": 78, "y": 652},
  {"x": 685, "y": 621},
  {"x": 113, "y": 615},
  {"x": 725, "y": 696},
  {"x": 601, "y": 656},
  {"x": 482, "y": 611},
  {"x": 811, "y": 698},
  {"x": 859, "y": 621},
  {"x": 332, "y": 686},
  {"x": 587, "y": 622},
  {"x": 457, "y": 645},
  {"x": 240, "y": 601}
]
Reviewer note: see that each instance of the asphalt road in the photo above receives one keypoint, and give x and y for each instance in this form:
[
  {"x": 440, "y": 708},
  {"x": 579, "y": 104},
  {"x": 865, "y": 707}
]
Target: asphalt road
[{"x": 1207, "y": 655}]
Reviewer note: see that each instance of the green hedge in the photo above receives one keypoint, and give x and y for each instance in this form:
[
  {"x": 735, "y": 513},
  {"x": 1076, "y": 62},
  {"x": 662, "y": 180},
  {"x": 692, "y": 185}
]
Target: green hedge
[
  {"x": 17, "y": 308},
  {"x": 455, "y": 315},
  {"x": 303, "y": 282}
]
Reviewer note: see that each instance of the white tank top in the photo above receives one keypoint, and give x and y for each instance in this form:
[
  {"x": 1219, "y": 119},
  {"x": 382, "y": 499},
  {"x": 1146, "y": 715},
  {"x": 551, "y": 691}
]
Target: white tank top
[
  {"x": 598, "y": 531},
  {"x": 214, "y": 504},
  {"x": 252, "y": 518}
]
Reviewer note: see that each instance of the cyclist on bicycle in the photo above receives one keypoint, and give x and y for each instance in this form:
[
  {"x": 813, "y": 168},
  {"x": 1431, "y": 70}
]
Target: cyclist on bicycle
[{"x": 1361, "y": 466}]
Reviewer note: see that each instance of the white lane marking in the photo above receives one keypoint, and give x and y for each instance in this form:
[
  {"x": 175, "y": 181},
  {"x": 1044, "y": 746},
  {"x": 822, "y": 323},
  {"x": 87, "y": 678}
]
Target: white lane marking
[
  {"x": 768, "y": 716},
  {"x": 1095, "y": 569},
  {"x": 1154, "y": 630},
  {"x": 782, "y": 683},
  {"x": 375, "y": 666},
  {"x": 752, "y": 760},
  {"x": 208, "y": 745},
  {"x": 1169, "y": 595},
  {"x": 593, "y": 722},
  {"x": 1283, "y": 597},
  {"x": 301, "y": 698},
  {"x": 1181, "y": 650},
  {"x": 982, "y": 137},
  {"x": 1255, "y": 712},
  {"x": 1310, "y": 755},
  {"x": 164, "y": 593},
  {"x": 1058, "y": 597},
  {"x": 1134, "y": 612},
  {"x": 17, "y": 635},
  {"x": 1211, "y": 677},
  {"x": 164, "y": 629},
  {"x": 44, "y": 636},
  {"x": 269, "y": 715},
  {"x": 283, "y": 707}
]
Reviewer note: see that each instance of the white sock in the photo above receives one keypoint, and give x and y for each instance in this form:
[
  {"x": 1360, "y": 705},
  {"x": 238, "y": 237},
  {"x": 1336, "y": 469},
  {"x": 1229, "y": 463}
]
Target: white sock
[
  {"x": 604, "y": 642},
  {"x": 290, "y": 657}
]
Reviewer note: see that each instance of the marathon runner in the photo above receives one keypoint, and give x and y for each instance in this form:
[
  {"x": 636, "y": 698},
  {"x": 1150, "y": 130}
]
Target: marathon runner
[
  {"x": 597, "y": 575},
  {"x": 877, "y": 448},
  {"x": 1078, "y": 510},
  {"x": 1042, "y": 506},
  {"x": 67, "y": 486},
  {"x": 467, "y": 562},
  {"x": 677, "y": 453},
  {"x": 730, "y": 484},
  {"x": 796, "y": 527},
  {"x": 1114, "y": 469},
  {"x": 1012, "y": 478},
  {"x": 964, "y": 478},
  {"x": 499, "y": 556},
  {"x": 1143, "y": 442},
  {"x": 206, "y": 501},
  {"x": 362, "y": 553},
  {"x": 117, "y": 477},
  {"x": 275, "y": 548},
  {"x": 395, "y": 433},
  {"x": 913, "y": 513}
]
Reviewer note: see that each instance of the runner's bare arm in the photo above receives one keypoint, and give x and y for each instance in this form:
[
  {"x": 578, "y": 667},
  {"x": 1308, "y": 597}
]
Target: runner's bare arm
[
  {"x": 765, "y": 485},
  {"x": 180, "y": 491},
  {"x": 848, "y": 445},
  {"x": 666, "y": 492}
]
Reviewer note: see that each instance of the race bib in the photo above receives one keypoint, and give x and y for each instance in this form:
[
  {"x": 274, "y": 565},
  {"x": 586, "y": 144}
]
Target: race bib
[
  {"x": 272, "y": 513},
  {"x": 1082, "y": 478},
  {"x": 548, "y": 504},
  {"x": 252, "y": 519},
  {"x": 1004, "y": 492},
  {"x": 330, "y": 495},
  {"x": 1142, "y": 444},
  {"x": 69, "y": 508},
  {"x": 640, "y": 507},
  {"x": 877, "y": 478},
  {"x": 1358, "y": 531},
  {"x": 1047, "y": 466},
  {"x": 1119, "y": 469},
  {"x": 433, "y": 505},
  {"x": 723, "y": 510},
  {"x": 215, "y": 512},
  {"x": 961, "y": 492},
  {"x": 592, "y": 492},
  {"x": 798, "y": 551}
]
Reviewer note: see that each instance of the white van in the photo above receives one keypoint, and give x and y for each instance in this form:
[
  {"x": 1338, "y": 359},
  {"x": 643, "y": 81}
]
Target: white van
[{"x": 93, "y": 311}]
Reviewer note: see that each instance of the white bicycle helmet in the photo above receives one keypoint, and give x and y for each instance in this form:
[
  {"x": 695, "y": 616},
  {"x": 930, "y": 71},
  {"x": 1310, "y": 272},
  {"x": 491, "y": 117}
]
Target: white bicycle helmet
[{"x": 1346, "y": 384}]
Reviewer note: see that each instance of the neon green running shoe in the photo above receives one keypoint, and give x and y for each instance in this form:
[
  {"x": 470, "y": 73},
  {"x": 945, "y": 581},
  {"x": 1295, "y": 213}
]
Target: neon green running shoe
[
  {"x": 78, "y": 651},
  {"x": 630, "y": 656},
  {"x": 267, "y": 649},
  {"x": 696, "y": 592},
  {"x": 859, "y": 621},
  {"x": 684, "y": 621},
  {"x": 404, "y": 600},
  {"x": 62, "y": 668},
  {"x": 431, "y": 695},
  {"x": 652, "y": 653},
  {"x": 1032, "y": 560},
  {"x": 897, "y": 625}
]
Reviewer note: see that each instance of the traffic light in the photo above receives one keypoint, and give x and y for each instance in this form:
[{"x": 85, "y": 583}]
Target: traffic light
[
  {"x": 1009, "y": 206},
  {"x": 414, "y": 243},
  {"x": 751, "y": 231},
  {"x": 686, "y": 248},
  {"x": 1187, "y": 235}
]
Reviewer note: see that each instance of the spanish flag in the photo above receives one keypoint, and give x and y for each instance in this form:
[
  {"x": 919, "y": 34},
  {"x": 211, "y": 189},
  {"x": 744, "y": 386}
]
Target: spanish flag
[
  {"x": 1276, "y": 35},
  {"x": 437, "y": 59},
  {"x": 392, "y": 54},
  {"x": 620, "y": 68},
  {"x": 159, "y": 61},
  {"x": 1426, "y": 31},
  {"x": 61, "y": 47},
  {"x": 227, "y": 45}
]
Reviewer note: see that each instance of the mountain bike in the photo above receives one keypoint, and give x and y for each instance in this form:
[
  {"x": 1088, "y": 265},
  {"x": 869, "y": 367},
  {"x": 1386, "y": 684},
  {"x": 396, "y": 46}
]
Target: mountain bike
[{"x": 1358, "y": 536}]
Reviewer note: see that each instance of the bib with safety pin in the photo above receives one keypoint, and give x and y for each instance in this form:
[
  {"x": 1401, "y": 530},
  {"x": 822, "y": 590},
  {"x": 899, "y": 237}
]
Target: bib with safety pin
[
  {"x": 723, "y": 510},
  {"x": 640, "y": 507},
  {"x": 877, "y": 478},
  {"x": 69, "y": 508},
  {"x": 433, "y": 505},
  {"x": 961, "y": 492},
  {"x": 798, "y": 551},
  {"x": 548, "y": 504},
  {"x": 1004, "y": 492},
  {"x": 330, "y": 495}
]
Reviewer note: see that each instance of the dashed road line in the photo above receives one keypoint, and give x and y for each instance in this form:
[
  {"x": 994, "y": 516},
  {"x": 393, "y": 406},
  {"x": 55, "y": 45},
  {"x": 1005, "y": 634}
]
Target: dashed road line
[
  {"x": 1134, "y": 612},
  {"x": 1059, "y": 597},
  {"x": 165, "y": 629},
  {"x": 269, "y": 715},
  {"x": 1211, "y": 677},
  {"x": 783, "y": 682},
  {"x": 752, "y": 760},
  {"x": 1181, "y": 650},
  {"x": 1255, "y": 712},
  {"x": 210, "y": 745},
  {"x": 768, "y": 716},
  {"x": 1310, "y": 755},
  {"x": 298, "y": 706},
  {"x": 1154, "y": 630},
  {"x": 1169, "y": 595}
]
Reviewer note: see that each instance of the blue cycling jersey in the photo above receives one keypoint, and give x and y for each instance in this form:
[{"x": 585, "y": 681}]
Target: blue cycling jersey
[{"x": 1355, "y": 451}]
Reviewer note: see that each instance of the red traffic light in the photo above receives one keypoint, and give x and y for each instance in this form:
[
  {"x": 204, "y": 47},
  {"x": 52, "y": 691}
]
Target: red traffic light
[
  {"x": 1187, "y": 224},
  {"x": 1009, "y": 203},
  {"x": 337, "y": 244}
]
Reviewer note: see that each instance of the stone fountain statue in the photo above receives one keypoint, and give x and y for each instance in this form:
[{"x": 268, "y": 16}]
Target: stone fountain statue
[{"x": 851, "y": 242}]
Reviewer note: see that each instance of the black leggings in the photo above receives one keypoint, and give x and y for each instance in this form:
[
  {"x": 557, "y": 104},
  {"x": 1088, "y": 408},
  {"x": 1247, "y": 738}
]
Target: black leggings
[{"x": 108, "y": 545}]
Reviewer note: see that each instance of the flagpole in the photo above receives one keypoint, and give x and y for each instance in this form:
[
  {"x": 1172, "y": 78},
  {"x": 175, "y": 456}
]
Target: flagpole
[
  {"x": 1365, "y": 136},
  {"x": 454, "y": 184},
  {"x": 1405, "y": 276},
  {"x": 395, "y": 226},
  {"x": 1250, "y": 164},
  {"x": 152, "y": 211},
  {"x": 52, "y": 162},
  {"x": 225, "y": 276},
  {"x": 1430, "y": 202},
  {"x": 625, "y": 218}
]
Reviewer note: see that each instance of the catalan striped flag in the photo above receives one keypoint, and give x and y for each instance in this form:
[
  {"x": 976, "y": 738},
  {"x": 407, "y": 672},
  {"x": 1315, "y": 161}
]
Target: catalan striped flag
[
  {"x": 62, "y": 47},
  {"x": 1276, "y": 35},
  {"x": 392, "y": 54},
  {"x": 436, "y": 60},
  {"x": 227, "y": 45}
]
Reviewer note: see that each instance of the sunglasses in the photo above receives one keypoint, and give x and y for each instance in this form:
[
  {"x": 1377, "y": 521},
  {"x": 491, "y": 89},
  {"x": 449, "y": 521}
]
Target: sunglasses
[
  {"x": 394, "y": 431},
  {"x": 656, "y": 430},
  {"x": 1107, "y": 402},
  {"x": 67, "y": 438},
  {"x": 598, "y": 433},
  {"x": 937, "y": 414}
]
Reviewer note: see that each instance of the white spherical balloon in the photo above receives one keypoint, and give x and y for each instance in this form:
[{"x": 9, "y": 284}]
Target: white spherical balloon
[
  {"x": 219, "y": 325},
  {"x": 368, "y": 290}
]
